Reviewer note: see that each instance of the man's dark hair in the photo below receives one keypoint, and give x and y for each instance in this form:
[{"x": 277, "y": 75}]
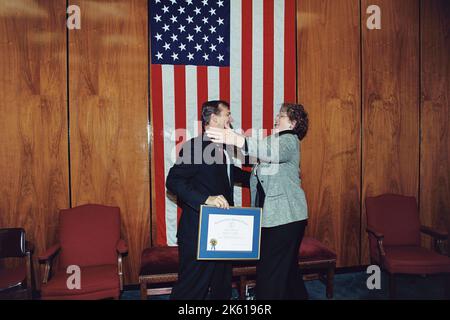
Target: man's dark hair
[{"x": 209, "y": 108}]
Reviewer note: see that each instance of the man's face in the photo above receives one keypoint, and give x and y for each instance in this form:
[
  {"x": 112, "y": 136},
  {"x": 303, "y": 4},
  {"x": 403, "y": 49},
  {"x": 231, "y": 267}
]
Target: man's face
[{"x": 223, "y": 119}]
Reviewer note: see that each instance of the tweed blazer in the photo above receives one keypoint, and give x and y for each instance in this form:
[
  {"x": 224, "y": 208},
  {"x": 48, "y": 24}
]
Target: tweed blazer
[{"x": 278, "y": 171}]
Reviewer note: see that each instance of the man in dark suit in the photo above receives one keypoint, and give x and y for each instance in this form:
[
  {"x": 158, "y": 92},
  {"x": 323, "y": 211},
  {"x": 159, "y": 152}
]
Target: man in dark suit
[{"x": 203, "y": 174}]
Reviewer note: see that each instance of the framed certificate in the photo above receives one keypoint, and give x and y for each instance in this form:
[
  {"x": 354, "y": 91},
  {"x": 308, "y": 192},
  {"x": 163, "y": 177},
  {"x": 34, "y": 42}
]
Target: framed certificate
[{"x": 229, "y": 234}]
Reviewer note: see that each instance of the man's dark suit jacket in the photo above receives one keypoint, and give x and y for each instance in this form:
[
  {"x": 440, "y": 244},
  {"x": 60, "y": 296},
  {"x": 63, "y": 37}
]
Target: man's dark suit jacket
[{"x": 193, "y": 182}]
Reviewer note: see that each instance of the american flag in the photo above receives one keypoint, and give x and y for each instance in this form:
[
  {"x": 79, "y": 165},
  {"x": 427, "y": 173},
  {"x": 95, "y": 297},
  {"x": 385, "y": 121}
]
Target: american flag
[{"x": 241, "y": 51}]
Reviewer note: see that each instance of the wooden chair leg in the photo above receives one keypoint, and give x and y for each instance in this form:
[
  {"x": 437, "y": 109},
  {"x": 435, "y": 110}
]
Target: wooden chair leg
[
  {"x": 29, "y": 281},
  {"x": 242, "y": 285},
  {"x": 392, "y": 287},
  {"x": 330, "y": 281},
  {"x": 143, "y": 287}
]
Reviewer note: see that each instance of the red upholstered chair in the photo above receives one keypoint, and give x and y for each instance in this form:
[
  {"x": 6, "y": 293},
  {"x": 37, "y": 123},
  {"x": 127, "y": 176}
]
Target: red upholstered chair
[
  {"x": 394, "y": 229},
  {"x": 15, "y": 282},
  {"x": 89, "y": 237}
]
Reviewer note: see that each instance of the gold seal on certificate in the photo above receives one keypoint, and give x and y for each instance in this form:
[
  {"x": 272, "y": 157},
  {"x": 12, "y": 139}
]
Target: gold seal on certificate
[
  {"x": 229, "y": 233},
  {"x": 213, "y": 243}
]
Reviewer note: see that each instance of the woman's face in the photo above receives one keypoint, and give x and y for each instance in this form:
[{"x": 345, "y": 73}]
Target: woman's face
[{"x": 282, "y": 121}]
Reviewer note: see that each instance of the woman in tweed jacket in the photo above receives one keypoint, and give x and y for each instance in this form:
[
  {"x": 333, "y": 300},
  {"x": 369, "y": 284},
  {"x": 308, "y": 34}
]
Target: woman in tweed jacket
[{"x": 276, "y": 187}]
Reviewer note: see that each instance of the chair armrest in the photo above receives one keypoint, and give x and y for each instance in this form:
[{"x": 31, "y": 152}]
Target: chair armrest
[
  {"x": 29, "y": 247},
  {"x": 121, "y": 246},
  {"x": 375, "y": 233},
  {"x": 380, "y": 238},
  {"x": 122, "y": 249},
  {"x": 48, "y": 255},
  {"x": 442, "y": 235},
  {"x": 47, "y": 258}
]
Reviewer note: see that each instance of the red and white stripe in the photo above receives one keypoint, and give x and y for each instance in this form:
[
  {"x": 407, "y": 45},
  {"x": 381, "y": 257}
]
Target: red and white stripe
[{"x": 261, "y": 76}]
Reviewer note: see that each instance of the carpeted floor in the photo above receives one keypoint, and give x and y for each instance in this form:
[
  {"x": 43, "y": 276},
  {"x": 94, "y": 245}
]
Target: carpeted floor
[{"x": 352, "y": 286}]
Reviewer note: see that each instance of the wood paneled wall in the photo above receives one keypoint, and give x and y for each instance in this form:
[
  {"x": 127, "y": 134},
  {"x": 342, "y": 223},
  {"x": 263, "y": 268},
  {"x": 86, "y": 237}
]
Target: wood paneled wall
[
  {"x": 328, "y": 86},
  {"x": 108, "y": 103},
  {"x": 435, "y": 114},
  {"x": 103, "y": 89},
  {"x": 33, "y": 122},
  {"x": 390, "y": 89},
  {"x": 74, "y": 115},
  {"x": 362, "y": 90}
]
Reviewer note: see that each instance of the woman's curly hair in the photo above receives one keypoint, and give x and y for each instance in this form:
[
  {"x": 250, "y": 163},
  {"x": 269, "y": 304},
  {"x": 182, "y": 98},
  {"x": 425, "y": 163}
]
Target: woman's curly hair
[{"x": 297, "y": 113}]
